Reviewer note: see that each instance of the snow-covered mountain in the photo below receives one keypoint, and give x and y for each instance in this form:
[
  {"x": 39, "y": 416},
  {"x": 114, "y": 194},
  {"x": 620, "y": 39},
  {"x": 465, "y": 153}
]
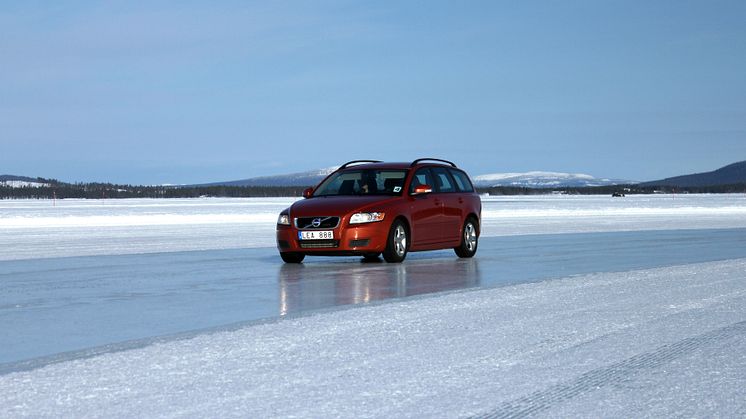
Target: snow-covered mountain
[
  {"x": 544, "y": 180},
  {"x": 309, "y": 178},
  {"x": 20, "y": 182}
]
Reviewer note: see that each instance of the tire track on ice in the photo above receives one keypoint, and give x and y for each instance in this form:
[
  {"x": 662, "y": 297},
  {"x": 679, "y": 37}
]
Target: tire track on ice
[{"x": 616, "y": 373}]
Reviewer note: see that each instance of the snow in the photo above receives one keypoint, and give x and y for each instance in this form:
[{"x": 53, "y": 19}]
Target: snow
[
  {"x": 502, "y": 176},
  {"x": 327, "y": 171},
  {"x": 79, "y": 227},
  {"x": 543, "y": 180},
  {"x": 646, "y": 343},
  {"x": 135, "y": 220},
  {"x": 44, "y": 228},
  {"x": 22, "y": 184},
  {"x": 552, "y": 214}
]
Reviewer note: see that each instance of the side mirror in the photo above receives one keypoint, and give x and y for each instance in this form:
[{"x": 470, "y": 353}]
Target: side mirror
[
  {"x": 422, "y": 190},
  {"x": 308, "y": 192}
]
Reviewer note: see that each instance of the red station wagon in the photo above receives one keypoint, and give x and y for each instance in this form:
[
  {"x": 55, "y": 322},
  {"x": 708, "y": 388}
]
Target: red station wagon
[{"x": 369, "y": 208}]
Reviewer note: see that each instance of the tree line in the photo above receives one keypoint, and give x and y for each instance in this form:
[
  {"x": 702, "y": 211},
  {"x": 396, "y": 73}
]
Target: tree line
[
  {"x": 612, "y": 189},
  {"x": 108, "y": 190},
  {"x": 61, "y": 190}
]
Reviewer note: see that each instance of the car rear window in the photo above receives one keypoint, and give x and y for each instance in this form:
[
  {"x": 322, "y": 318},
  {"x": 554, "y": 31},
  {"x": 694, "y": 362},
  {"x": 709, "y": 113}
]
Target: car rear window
[{"x": 462, "y": 181}]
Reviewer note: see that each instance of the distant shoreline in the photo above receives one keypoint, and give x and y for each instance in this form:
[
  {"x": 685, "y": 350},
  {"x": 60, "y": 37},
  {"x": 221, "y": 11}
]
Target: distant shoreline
[{"x": 109, "y": 191}]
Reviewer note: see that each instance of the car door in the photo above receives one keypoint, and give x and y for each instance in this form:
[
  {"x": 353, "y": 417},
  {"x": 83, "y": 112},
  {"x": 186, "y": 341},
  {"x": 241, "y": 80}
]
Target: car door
[
  {"x": 426, "y": 211},
  {"x": 452, "y": 204}
]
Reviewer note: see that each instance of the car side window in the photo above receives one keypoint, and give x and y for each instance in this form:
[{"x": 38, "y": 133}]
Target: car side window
[
  {"x": 421, "y": 177},
  {"x": 443, "y": 181},
  {"x": 462, "y": 181}
]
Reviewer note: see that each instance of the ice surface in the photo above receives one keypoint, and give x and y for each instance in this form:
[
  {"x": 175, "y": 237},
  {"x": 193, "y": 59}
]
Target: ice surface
[
  {"x": 43, "y": 228},
  {"x": 647, "y": 343},
  {"x": 55, "y": 305}
]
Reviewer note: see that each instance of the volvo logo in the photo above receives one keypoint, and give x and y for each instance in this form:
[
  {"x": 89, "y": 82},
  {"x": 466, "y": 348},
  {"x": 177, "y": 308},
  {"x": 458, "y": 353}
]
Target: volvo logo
[{"x": 316, "y": 222}]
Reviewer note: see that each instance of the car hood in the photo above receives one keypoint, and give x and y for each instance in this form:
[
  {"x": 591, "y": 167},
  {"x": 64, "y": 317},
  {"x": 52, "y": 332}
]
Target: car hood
[{"x": 337, "y": 205}]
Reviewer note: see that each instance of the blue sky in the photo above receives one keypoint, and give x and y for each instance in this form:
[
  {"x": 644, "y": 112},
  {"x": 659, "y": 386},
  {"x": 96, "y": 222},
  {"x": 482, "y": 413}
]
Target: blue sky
[{"x": 183, "y": 92}]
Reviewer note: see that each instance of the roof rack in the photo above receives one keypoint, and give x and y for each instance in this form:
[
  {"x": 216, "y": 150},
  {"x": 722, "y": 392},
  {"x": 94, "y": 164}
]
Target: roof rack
[
  {"x": 357, "y": 161},
  {"x": 428, "y": 158}
]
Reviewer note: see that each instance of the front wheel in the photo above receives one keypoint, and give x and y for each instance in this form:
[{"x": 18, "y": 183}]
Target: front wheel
[
  {"x": 469, "y": 240},
  {"x": 397, "y": 243},
  {"x": 290, "y": 257}
]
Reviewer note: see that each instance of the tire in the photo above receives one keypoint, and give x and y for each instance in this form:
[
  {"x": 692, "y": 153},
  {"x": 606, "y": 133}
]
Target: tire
[
  {"x": 371, "y": 257},
  {"x": 397, "y": 243},
  {"x": 469, "y": 239},
  {"x": 291, "y": 257}
]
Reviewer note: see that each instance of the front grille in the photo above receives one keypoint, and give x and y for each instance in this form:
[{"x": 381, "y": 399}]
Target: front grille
[
  {"x": 359, "y": 243},
  {"x": 319, "y": 244},
  {"x": 323, "y": 222}
]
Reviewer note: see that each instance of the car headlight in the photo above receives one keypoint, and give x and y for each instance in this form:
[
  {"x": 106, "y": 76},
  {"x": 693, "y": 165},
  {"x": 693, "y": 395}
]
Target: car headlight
[
  {"x": 283, "y": 219},
  {"x": 366, "y": 217}
]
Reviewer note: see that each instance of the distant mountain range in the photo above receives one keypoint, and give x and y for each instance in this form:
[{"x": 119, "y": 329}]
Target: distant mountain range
[
  {"x": 312, "y": 177},
  {"x": 523, "y": 180},
  {"x": 729, "y": 175},
  {"x": 539, "y": 180}
]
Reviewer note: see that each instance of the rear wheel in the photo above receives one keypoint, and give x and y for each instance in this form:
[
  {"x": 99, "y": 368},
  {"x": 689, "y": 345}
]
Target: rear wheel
[
  {"x": 397, "y": 243},
  {"x": 469, "y": 239},
  {"x": 290, "y": 257}
]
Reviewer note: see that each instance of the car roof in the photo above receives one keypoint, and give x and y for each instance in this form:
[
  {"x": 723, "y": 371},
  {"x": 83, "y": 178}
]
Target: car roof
[
  {"x": 394, "y": 165},
  {"x": 380, "y": 165}
]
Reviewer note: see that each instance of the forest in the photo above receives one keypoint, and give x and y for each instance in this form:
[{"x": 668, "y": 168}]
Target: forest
[{"x": 61, "y": 190}]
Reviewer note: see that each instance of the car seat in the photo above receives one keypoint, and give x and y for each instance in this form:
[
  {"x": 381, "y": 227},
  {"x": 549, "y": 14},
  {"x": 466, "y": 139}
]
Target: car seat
[{"x": 347, "y": 187}]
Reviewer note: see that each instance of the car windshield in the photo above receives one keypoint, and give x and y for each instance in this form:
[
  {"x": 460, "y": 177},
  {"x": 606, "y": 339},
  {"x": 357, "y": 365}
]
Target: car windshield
[{"x": 363, "y": 182}]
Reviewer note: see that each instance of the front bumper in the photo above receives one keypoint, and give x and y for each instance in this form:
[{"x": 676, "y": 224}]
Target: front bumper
[{"x": 348, "y": 240}]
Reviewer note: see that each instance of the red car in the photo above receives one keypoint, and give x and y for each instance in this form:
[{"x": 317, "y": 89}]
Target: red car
[{"x": 369, "y": 208}]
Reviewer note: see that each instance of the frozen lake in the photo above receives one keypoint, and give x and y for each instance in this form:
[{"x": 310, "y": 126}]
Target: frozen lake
[{"x": 83, "y": 280}]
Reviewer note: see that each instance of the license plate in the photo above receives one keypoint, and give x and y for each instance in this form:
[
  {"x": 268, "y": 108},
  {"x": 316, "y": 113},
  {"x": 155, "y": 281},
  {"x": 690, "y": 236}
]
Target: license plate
[{"x": 316, "y": 235}]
